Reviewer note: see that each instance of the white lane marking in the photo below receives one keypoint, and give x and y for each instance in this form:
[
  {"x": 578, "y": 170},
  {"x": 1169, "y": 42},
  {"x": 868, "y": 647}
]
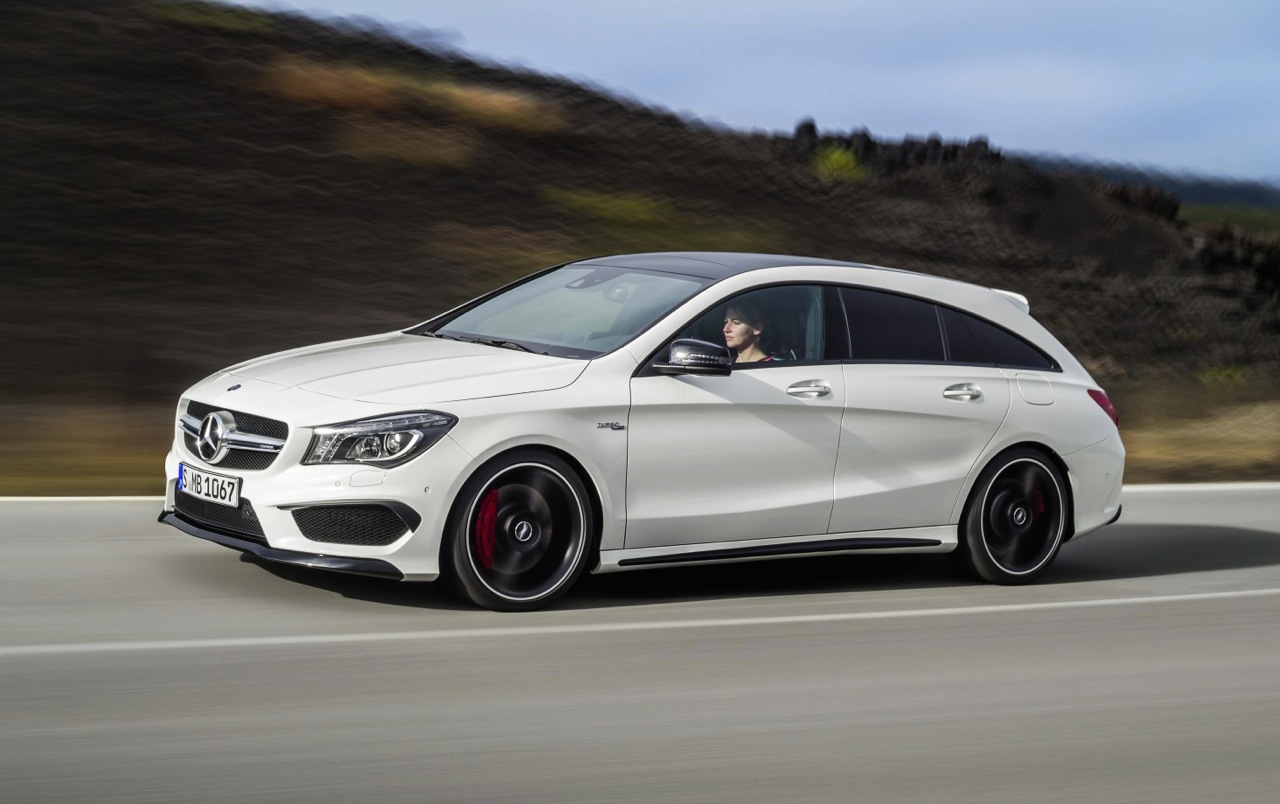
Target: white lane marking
[
  {"x": 599, "y": 628},
  {"x": 1165, "y": 488}
]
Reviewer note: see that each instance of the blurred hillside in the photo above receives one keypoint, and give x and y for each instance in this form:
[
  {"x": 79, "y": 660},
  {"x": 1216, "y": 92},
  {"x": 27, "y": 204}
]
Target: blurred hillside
[
  {"x": 1189, "y": 188},
  {"x": 187, "y": 185}
]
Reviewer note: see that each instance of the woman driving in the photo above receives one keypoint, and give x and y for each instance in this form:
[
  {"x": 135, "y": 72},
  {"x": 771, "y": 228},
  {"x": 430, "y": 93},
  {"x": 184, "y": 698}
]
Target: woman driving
[{"x": 746, "y": 332}]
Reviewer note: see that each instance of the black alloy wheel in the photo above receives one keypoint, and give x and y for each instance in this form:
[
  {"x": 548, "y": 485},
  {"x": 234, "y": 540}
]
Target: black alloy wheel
[
  {"x": 525, "y": 533},
  {"x": 1015, "y": 519}
]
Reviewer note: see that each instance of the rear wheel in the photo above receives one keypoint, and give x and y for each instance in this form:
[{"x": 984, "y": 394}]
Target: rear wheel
[
  {"x": 522, "y": 533},
  {"x": 1015, "y": 519}
]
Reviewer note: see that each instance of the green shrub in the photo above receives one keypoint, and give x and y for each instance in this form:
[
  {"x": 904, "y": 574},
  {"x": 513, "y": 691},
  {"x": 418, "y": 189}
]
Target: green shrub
[
  {"x": 622, "y": 222},
  {"x": 1217, "y": 377},
  {"x": 630, "y": 208},
  {"x": 833, "y": 163},
  {"x": 209, "y": 15},
  {"x": 1257, "y": 220}
]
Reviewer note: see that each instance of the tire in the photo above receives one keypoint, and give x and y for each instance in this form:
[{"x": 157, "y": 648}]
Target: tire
[
  {"x": 1014, "y": 520},
  {"x": 522, "y": 532}
]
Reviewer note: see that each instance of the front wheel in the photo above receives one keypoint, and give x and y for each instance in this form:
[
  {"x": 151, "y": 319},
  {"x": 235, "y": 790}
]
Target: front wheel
[
  {"x": 1015, "y": 519},
  {"x": 522, "y": 533}
]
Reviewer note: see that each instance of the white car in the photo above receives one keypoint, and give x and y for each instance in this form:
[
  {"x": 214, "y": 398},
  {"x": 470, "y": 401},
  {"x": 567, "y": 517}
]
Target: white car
[{"x": 650, "y": 410}]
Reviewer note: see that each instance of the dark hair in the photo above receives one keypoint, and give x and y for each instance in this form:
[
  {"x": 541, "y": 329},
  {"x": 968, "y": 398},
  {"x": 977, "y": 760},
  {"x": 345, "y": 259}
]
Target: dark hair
[{"x": 754, "y": 315}]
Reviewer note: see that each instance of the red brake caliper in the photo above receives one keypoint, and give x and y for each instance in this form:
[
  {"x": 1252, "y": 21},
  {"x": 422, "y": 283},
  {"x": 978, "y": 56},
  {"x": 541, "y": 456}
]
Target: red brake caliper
[
  {"x": 1039, "y": 501},
  {"x": 486, "y": 527}
]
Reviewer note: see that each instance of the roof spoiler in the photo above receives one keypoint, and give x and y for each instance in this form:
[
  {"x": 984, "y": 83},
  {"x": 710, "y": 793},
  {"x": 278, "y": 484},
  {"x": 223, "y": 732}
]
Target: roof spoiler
[{"x": 1017, "y": 298}]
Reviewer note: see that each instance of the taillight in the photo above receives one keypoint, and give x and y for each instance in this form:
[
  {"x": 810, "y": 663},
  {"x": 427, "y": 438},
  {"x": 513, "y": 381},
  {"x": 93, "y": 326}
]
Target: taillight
[{"x": 1105, "y": 404}]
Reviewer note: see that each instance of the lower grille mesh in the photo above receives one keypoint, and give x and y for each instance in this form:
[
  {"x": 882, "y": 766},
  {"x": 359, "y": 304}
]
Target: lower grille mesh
[
  {"x": 242, "y": 521},
  {"x": 364, "y": 525}
]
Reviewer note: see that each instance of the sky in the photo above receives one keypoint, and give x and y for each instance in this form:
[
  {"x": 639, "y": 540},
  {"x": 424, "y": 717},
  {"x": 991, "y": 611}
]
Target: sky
[{"x": 1183, "y": 86}]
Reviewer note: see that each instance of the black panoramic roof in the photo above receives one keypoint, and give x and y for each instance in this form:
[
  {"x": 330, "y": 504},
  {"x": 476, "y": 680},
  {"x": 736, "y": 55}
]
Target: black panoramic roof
[{"x": 708, "y": 264}]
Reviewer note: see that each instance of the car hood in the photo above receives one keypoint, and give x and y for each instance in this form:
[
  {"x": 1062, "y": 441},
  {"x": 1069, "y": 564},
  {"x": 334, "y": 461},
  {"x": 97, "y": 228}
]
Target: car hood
[{"x": 399, "y": 369}]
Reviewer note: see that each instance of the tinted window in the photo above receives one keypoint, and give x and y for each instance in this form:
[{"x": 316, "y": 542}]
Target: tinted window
[
  {"x": 998, "y": 346},
  {"x": 883, "y": 327},
  {"x": 773, "y": 325},
  {"x": 962, "y": 342}
]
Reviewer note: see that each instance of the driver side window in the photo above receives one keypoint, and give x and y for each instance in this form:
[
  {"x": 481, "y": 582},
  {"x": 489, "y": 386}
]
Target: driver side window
[{"x": 784, "y": 324}]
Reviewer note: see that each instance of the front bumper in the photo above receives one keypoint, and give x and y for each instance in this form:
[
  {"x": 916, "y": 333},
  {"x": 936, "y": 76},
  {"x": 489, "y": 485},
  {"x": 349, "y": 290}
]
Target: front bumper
[
  {"x": 424, "y": 485},
  {"x": 356, "y": 566}
]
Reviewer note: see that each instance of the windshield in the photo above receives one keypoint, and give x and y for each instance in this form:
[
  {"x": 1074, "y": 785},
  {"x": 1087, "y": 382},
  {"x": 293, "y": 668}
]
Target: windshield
[{"x": 575, "y": 311}]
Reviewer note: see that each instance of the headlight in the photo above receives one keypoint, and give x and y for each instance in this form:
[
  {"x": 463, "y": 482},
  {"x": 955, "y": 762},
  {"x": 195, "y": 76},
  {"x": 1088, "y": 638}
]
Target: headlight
[{"x": 385, "y": 441}]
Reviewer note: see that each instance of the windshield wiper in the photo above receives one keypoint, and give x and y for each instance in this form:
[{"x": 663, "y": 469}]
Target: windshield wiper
[
  {"x": 504, "y": 344},
  {"x": 439, "y": 335}
]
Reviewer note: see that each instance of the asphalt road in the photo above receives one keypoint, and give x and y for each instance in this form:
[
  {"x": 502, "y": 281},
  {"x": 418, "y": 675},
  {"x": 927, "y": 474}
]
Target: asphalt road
[{"x": 141, "y": 665}]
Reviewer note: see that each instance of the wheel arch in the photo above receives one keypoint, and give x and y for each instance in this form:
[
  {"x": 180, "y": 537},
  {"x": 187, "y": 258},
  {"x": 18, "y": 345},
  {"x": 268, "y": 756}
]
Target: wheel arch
[
  {"x": 1053, "y": 457},
  {"x": 588, "y": 482}
]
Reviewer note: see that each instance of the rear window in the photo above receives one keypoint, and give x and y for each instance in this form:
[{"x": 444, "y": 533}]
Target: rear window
[{"x": 972, "y": 340}]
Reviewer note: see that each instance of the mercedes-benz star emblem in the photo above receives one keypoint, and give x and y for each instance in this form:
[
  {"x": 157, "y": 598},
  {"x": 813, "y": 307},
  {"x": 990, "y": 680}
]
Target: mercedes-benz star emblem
[
  {"x": 1019, "y": 516},
  {"x": 524, "y": 531},
  {"x": 211, "y": 443}
]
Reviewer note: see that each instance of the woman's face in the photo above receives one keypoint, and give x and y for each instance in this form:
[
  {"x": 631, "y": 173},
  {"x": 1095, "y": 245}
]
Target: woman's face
[{"x": 738, "y": 334}]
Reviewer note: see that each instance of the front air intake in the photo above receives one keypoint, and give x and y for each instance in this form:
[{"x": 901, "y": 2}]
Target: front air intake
[
  {"x": 362, "y": 525},
  {"x": 241, "y": 521}
]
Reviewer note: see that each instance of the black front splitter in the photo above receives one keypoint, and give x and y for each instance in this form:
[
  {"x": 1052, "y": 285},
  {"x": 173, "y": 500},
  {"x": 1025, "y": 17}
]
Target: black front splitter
[{"x": 355, "y": 566}]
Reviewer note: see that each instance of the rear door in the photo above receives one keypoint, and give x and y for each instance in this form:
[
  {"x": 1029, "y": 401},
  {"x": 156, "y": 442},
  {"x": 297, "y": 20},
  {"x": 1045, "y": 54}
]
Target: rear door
[{"x": 914, "y": 423}]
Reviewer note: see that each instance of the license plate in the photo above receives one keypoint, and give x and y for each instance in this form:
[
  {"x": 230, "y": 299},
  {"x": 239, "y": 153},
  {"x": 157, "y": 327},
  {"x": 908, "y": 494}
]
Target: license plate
[{"x": 218, "y": 489}]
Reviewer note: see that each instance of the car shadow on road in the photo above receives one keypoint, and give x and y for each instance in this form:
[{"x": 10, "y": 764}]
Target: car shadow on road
[
  {"x": 1145, "y": 551},
  {"x": 1120, "y": 552},
  {"x": 361, "y": 587}
]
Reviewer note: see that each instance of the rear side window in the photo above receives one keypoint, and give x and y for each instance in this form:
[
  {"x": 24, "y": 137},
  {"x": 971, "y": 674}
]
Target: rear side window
[
  {"x": 886, "y": 327},
  {"x": 972, "y": 340}
]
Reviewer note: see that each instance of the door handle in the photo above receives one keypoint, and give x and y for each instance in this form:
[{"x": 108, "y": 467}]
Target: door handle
[
  {"x": 809, "y": 389},
  {"x": 965, "y": 392}
]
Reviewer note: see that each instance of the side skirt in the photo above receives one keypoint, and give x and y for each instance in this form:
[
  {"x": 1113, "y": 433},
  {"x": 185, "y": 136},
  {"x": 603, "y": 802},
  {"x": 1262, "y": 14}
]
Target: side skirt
[{"x": 930, "y": 540}]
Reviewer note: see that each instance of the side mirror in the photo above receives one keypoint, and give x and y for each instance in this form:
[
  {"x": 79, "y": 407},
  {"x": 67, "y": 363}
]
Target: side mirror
[{"x": 688, "y": 356}]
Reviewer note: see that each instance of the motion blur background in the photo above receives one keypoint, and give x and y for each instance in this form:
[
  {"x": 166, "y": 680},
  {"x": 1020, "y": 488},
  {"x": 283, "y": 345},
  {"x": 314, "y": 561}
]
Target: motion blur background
[{"x": 186, "y": 185}]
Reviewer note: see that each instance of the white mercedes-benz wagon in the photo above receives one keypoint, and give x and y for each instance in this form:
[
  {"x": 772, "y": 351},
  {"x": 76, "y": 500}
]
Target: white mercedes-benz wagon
[{"x": 651, "y": 410}]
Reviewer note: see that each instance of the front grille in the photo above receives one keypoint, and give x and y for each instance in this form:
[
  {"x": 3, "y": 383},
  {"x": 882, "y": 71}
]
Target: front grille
[
  {"x": 249, "y": 460},
  {"x": 240, "y": 521},
  {"x": 245, "y": 422},
  {"x": 244, "y": 459},
  {"x": 364, "y": 525}
]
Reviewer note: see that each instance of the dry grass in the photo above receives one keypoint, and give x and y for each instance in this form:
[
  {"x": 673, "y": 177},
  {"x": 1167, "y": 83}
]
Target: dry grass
[
  {"x": 84, "y": 449},
  {"x": 374, "y": 139},
  {"x": 495, "y": 255},
  {"x": 497, "y": 108},
  {"x": 351, "y": 87},
  {"x": 1241, "y": 441},
  {"x": 340, "y": 86}
]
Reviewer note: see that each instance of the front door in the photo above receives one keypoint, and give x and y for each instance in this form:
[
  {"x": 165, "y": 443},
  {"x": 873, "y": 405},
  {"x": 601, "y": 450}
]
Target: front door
[
  {"x": 718, "y": 459},
  {"x": 751, "y": 455}
]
